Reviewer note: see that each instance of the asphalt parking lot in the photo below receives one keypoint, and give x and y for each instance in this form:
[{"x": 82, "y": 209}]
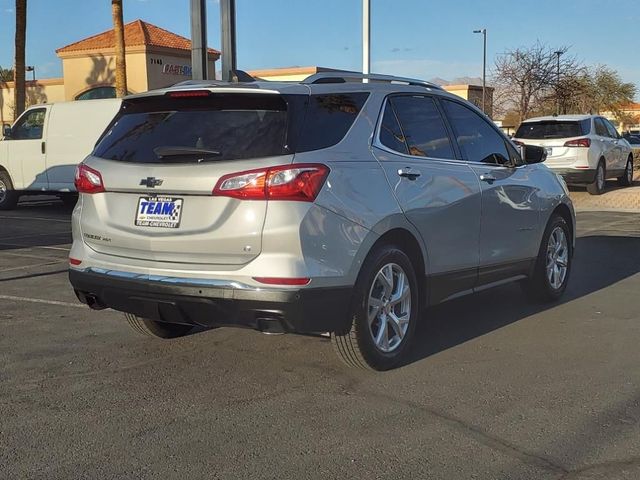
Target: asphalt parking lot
[{"x": 497, "y": 388}]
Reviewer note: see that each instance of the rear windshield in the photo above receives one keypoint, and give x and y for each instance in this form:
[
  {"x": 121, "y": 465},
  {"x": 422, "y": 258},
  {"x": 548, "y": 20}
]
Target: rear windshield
[
  {"x": 226, "y": 127},
  {"x": 553, "y": 129}
]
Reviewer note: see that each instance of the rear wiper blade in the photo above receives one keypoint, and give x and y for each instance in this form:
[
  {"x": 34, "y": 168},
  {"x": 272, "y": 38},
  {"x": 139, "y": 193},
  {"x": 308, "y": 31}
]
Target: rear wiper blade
[{"x": 166, "y": 151}]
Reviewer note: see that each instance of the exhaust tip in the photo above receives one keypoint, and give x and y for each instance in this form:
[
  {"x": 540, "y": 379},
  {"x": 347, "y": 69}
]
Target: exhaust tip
[{"x": 271, "y": 326}]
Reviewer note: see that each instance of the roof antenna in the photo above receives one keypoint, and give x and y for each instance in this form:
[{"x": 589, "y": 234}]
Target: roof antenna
[{"x": 240, "y": 76}]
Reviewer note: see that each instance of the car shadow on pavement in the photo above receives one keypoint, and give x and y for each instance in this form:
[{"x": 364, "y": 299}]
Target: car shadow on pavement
[
  {"x": 599, "y": 262},
  {"x": 44, "y": 223}
]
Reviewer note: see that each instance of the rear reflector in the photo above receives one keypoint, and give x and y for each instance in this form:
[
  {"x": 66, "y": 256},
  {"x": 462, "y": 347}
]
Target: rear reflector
[
  {"x": 74, "y": 261},
  {"x": 296, "y": 182},
  {"x": 579, "y": 142},
  {"x": 88, "y": 180},
  {"x": 189, "y": 94},
  {"x": 283, "y": 281}
]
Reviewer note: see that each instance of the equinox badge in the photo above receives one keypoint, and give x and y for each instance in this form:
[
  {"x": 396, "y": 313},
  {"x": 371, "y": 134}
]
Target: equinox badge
[{"x": 151, "y": 182}]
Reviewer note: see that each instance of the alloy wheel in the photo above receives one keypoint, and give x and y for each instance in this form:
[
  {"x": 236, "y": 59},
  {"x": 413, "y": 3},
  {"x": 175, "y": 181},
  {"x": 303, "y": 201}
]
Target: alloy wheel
[
  {"x": 389, "y": 307},
  {"x": 629, "y": 171},
  {"x": 3, "y": 191},
  {"x": 557, "y": 258}
]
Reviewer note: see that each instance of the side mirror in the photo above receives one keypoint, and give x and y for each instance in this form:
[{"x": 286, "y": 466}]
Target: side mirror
[
  {"x": 6, "y": 131},
  {"x": 532, "y": 154}
]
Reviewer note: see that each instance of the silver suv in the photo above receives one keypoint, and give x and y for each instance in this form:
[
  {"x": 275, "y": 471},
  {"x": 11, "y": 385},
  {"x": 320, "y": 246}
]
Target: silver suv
[
  {"x": 584, "y": 149},
  {"x": 330, "y": 205}
]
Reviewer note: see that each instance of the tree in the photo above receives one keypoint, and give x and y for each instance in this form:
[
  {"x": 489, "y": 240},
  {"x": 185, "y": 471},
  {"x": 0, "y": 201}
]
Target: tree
[
  {"x": 121, "y": 66},
  {"x": 6, "y": 74},
  {"x": 19, "y": 92},
  {"x": 526, "y": 79}
]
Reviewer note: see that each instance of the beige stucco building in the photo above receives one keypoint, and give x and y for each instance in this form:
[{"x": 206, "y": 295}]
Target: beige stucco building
[{"x": 155, "y": 58}]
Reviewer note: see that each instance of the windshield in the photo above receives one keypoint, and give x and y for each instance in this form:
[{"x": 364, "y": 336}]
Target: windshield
[{"x": 553, "y": 129}]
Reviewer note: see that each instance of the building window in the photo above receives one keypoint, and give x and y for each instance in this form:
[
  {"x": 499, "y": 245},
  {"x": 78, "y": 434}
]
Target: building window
[{"x": 97, "y": 93}]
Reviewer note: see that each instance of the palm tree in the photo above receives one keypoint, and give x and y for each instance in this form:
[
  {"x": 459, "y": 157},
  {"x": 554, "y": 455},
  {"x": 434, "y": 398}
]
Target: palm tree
[
  {"x": 121, "y": 65},
  {"x": 19, "y": 93}
]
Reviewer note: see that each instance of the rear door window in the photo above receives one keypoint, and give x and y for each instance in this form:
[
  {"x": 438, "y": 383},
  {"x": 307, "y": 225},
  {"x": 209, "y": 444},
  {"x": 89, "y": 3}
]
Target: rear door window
[
  {"x": 477, "y": 139},
  {"x": 424, "y": 129},
  {"x": 391, "y": 135},
  {"x": 601, "y": 128},
  {"x": 553, "y": 129}
]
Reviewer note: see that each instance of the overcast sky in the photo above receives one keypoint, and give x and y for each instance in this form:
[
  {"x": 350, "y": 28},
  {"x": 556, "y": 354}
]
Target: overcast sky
[{"x": 419, "y": 38}]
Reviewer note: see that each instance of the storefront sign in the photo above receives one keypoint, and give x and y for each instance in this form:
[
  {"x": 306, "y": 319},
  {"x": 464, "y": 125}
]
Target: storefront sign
[{"x": 184, "y": 70}]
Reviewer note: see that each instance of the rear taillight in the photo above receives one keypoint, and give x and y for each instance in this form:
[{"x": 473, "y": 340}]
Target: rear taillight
[
  {"x": 74, "y": 261},
  {"x": 579, "y": 142},
  {"x": 300, "y": 182},
  {"x": 88, "y": 180}
]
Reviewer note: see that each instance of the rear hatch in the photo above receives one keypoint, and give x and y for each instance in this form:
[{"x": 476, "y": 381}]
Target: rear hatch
[
  {"x": 553, "y": 136},
  {"x": 160, "y": 161}
]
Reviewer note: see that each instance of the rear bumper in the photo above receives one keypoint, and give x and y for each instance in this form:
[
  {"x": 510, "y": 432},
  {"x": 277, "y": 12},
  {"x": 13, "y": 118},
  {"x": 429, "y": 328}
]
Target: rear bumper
[
  {"x": 308, "y": 310},
  {"x": 574, "y": 176}
]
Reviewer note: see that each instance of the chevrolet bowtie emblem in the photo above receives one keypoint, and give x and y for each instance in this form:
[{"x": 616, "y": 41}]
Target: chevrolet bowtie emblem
[{"x": 151, "y": 182}]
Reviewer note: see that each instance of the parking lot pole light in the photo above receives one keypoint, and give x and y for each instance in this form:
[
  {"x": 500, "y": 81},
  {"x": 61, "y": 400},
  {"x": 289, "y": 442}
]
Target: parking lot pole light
[
  {"x": 366, "y": 36},
  {"x": 484, "y": 68},
  {"x": 228, "y": 31},
  {"x": 558, "y": 53},
  {"x": 32, "y": 69},
  {"x": 198, "y": 40}
]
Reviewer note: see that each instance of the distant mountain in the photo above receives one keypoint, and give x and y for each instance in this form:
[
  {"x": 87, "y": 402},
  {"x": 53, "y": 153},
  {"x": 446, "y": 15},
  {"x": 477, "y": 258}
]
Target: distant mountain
[{"x": 457, "y": 81}]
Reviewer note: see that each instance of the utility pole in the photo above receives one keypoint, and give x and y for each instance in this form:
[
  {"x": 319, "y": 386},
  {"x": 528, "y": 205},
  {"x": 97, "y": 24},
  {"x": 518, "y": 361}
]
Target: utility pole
[
  {"x": 199, "y": 54},
  {"x": 484, "y": 68},
  {"x": 558, "y": 53},
  {"x": 366, "y": 37},
  {"x": 228, "y": 31}
]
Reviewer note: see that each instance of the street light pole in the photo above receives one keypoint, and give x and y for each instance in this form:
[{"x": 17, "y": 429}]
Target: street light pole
[
  {"x": 366, "y": 36},
  {"x": 199, "y": 56},
  {"x": 484, "y": 68},
  {"x": 32, "y": 69},
  {"x": 558, "y": 53}
]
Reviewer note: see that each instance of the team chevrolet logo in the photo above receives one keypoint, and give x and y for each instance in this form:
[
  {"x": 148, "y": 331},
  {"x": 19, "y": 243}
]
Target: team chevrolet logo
[{"x": 151, "y": 182}]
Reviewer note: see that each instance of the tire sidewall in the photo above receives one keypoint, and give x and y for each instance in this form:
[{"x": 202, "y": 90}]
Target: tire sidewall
[
  {"x": 10, "y": 199},
  {"x": 601, "y": 166},
  {"x": 556, "y": 221},
  {"x": 376, "y": 358}
]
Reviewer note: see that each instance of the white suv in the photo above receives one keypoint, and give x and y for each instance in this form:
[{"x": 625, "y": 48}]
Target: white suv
[{"x": 584, "y": 149}]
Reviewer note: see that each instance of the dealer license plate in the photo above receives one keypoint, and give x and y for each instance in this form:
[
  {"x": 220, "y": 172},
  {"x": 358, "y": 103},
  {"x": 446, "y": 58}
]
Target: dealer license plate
[{"x": 157, "y": 211}]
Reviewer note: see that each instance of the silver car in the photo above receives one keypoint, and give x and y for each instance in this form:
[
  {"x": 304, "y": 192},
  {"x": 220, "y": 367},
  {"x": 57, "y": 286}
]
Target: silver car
[
  {"x": 329, "y": 205},
  {"x": 584, "y": 149}
]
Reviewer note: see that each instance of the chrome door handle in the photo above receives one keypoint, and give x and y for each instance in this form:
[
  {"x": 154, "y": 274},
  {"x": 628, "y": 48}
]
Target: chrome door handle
[
  {"x": 487, "y": 177},
  {"x": 408, "y": 173}
]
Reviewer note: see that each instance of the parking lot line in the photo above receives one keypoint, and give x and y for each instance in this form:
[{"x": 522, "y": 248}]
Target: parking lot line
[
  {"x": 22, "y": 267},
  {"x": 39, "y": 300},
  {"x": 35, "y": 218}
]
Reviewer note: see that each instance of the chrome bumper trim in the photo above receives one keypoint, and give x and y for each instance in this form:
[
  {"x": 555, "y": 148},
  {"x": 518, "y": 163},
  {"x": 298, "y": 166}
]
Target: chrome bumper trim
[{"x": 171, "y": 280}]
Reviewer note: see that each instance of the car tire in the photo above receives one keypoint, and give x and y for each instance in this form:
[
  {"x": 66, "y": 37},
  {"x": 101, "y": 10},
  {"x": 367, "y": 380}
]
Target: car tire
[
  {"x": 153, "y": 328},
  {"x": 8, "y": 196},
  {"x": 599, "y": 182},
  {"x": 553, "y": 264},
  {"x": 626, "y": 180},
  {"x": 387, "y": 292}
]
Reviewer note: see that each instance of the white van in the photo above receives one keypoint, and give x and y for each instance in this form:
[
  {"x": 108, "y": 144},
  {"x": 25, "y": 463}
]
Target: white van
[{"x": 39, "y": 153}]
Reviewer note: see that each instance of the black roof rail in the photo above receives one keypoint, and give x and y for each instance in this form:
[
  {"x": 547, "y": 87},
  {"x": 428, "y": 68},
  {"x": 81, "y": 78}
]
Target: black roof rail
[{"x": 342, "y": 77}]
